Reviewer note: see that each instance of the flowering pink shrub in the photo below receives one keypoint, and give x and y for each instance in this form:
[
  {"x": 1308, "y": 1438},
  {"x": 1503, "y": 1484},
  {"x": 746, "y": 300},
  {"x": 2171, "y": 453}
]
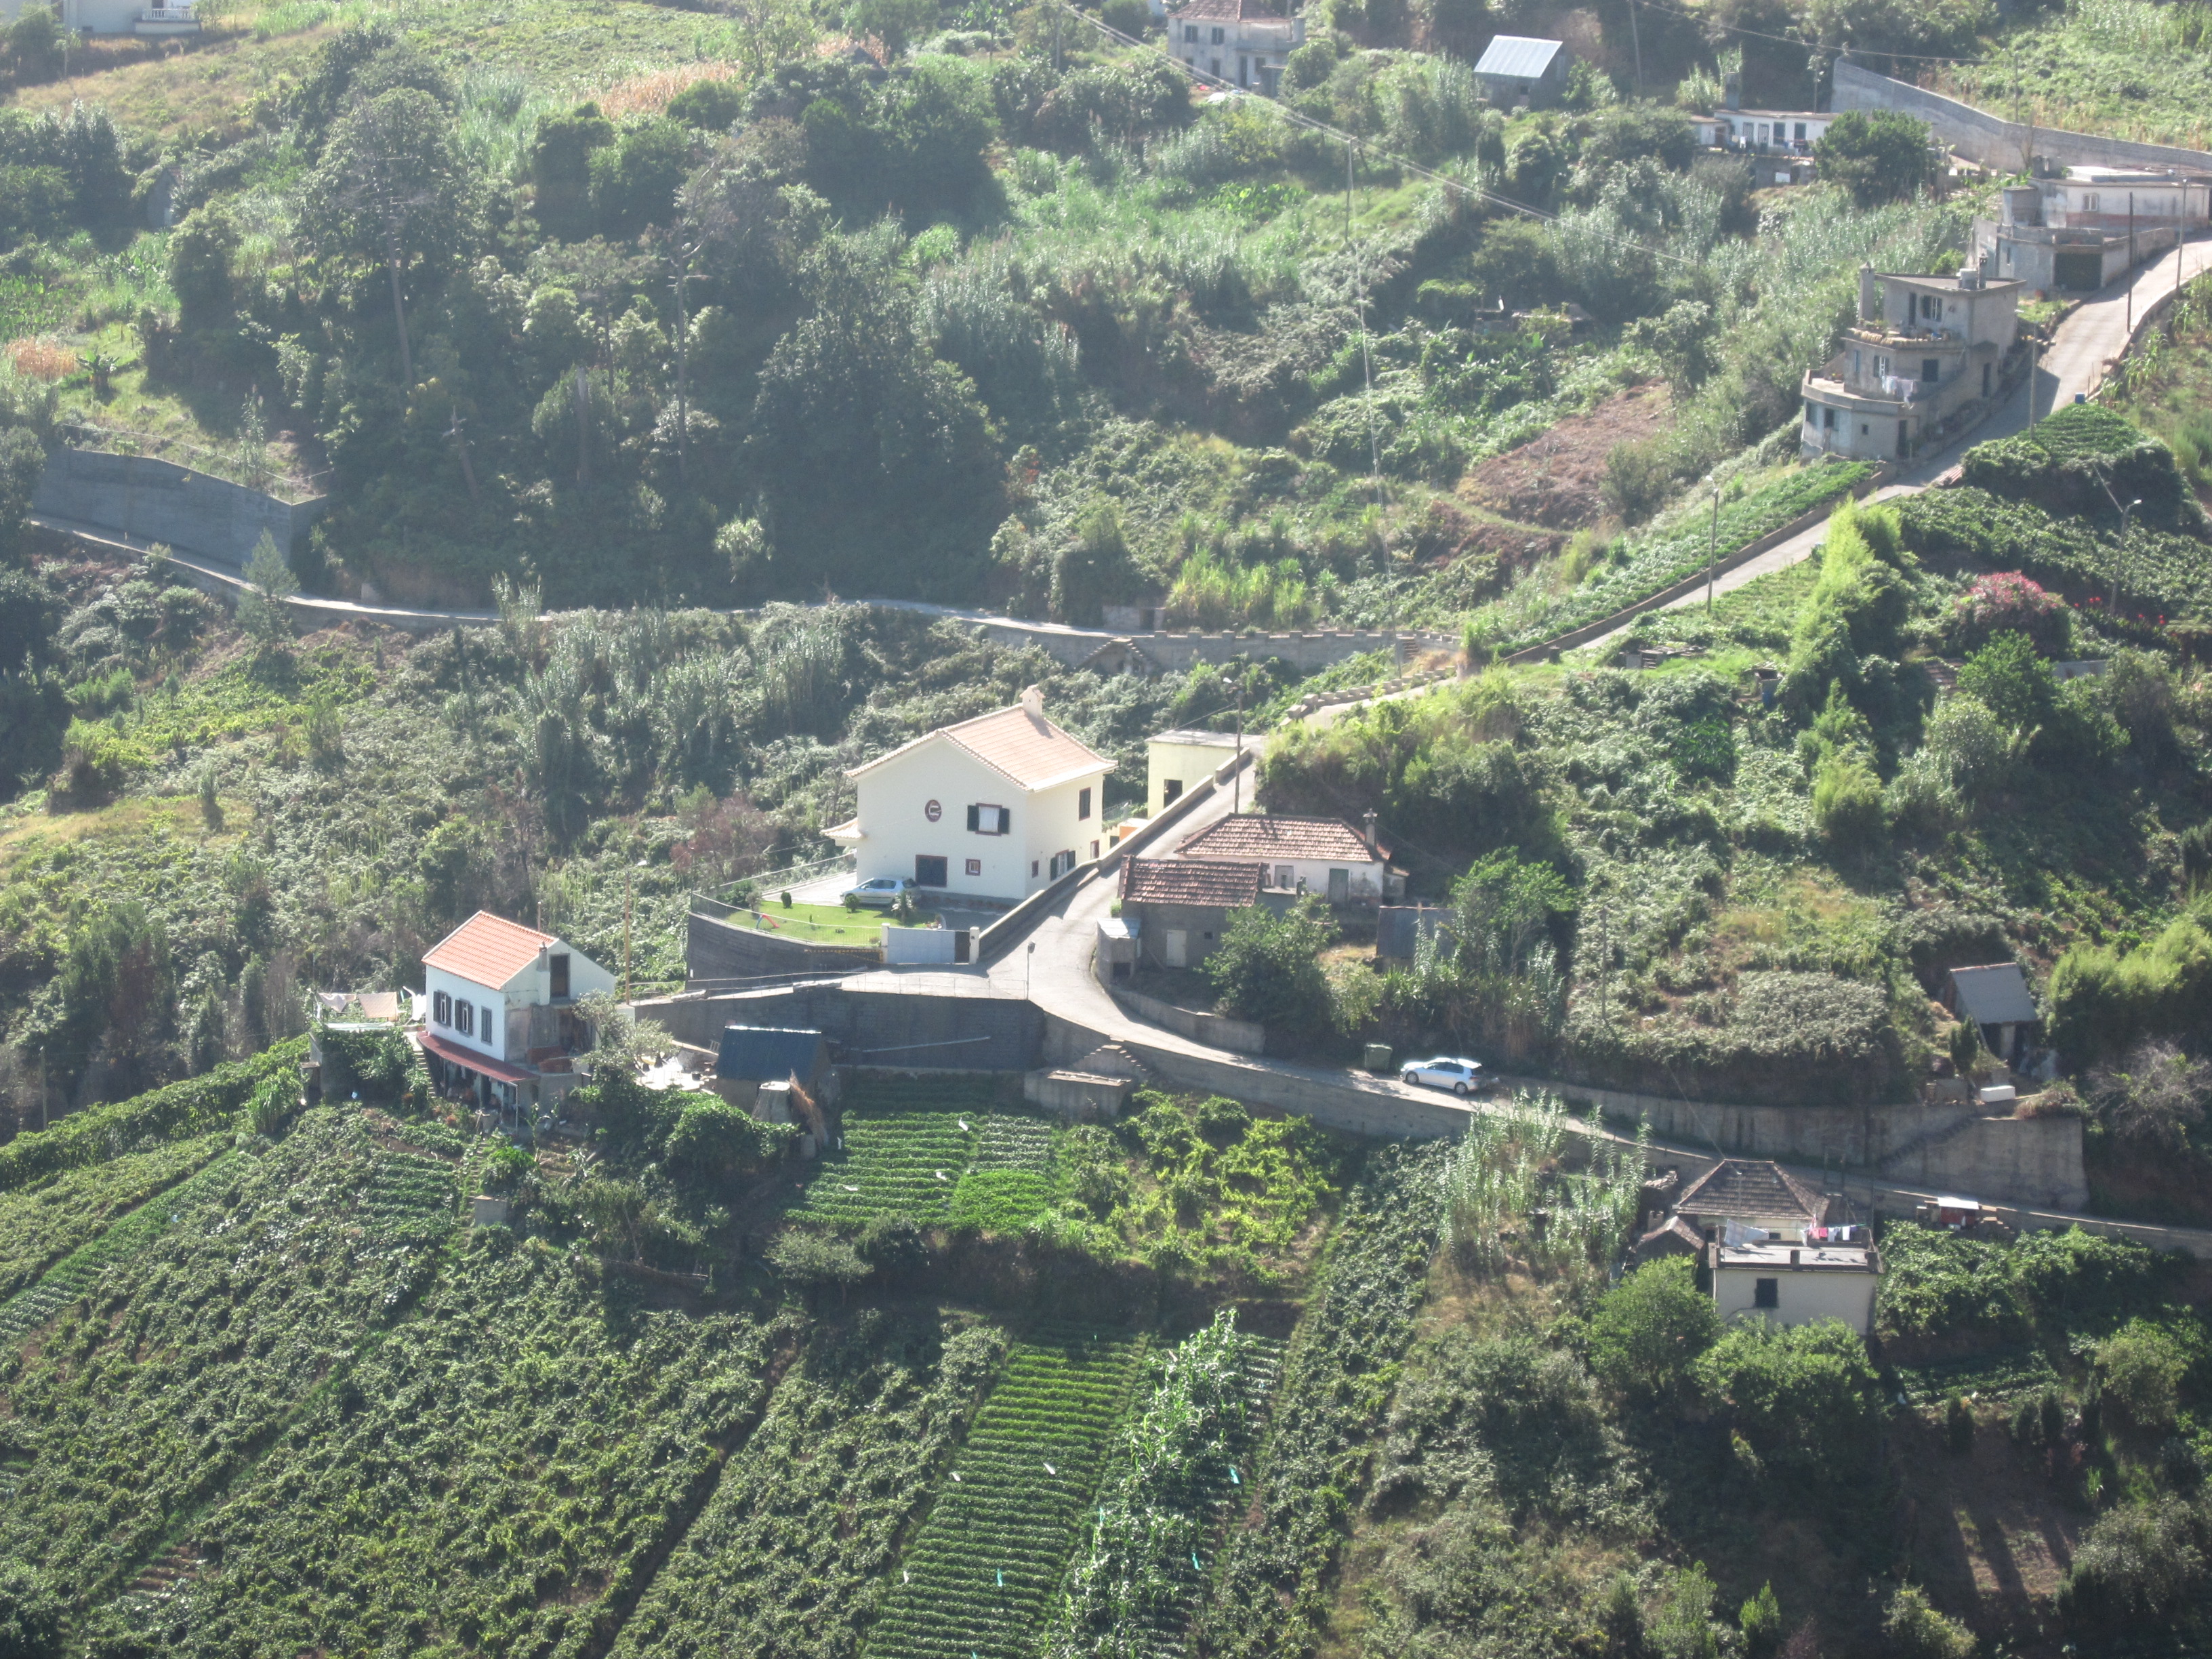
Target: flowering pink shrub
[{"x": 2009, "y": 603}]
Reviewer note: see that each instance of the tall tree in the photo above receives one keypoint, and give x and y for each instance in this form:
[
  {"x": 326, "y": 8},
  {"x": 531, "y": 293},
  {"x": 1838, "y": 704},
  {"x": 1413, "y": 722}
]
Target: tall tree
[{"x": 391, "y": 189}]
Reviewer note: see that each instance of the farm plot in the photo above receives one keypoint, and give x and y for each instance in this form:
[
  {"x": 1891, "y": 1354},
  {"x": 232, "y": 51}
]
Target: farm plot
[
  {"x": 901, "y": 1163},
  {"x": 794, "y": 1555},
  {"x": 1180, "y": 1468},
  {"x": 1011, "y": 1181},
  {"x": 981, "y": 1576},
  {"x": 141, "y": 1401},
  {"x": 82, "y": 1270},
  {"x": 485, "y": 1478},
  {"x": 39, "y": 1227}
]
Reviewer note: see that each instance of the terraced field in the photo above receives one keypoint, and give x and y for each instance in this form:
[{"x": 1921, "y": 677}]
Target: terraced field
[
  {"x": 40, "y": 1226},
  {"x": 934, "y": 1149},
  {"x": 78, "y": 1274},
  {"x": 981, "y": 1573}
]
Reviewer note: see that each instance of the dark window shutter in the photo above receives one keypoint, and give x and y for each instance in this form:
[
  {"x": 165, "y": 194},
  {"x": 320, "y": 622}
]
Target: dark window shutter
[{"x": 974, "y": 818}]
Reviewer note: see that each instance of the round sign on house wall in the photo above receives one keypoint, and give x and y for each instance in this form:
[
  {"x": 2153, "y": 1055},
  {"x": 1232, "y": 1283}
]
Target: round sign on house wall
[{"x": 933, "y": 811}]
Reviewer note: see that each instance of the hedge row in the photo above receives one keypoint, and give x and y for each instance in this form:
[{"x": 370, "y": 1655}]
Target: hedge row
[{"x": 175, "y": 1112}]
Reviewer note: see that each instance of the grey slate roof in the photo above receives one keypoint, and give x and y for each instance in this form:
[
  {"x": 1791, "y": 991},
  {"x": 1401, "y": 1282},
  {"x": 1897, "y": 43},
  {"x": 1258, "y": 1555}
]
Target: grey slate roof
[
  {"x": 767, "y": 1054},
  {"x": 1753, "y": 1190},
  {"x": 1518, "y": 56},
  {"x": 1996, "y": 995}
]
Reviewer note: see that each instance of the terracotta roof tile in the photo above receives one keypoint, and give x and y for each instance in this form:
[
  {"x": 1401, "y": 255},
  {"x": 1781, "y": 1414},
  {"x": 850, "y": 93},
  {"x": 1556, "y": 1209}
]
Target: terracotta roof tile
[
  {"x": 1171, "y": 881},
  {"x": 1250, "y": 835},
  {"x": 1230, "y": 11},
  {"x": 1752, "y": 1189},
  {"x": 488, "y": 950},
  {"x": 1018, "y": 744}
]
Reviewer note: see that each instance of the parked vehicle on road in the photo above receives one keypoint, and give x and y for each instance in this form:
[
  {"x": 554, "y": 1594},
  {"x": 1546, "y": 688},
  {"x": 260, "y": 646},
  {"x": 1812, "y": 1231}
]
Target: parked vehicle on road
[
  {"x": 882, "y": 893},
  {"x": 1462, "y": 1077}
]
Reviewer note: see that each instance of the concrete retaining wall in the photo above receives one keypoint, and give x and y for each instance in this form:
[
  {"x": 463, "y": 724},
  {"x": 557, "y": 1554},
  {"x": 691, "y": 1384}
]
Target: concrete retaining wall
[
  {"x": 1990, "y": 139},
  {"x": 148, "y": 499},
  {"x": 2015, "y": 1160},
  {"x": 1169, "y": 652},
  {"x": 1215, "y": 1030},
  {"x": 873, "y": 1028},
  {"x": 717, "y": 949}
]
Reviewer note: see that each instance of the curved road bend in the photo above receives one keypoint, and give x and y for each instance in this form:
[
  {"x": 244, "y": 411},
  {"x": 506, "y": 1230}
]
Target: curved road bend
[{"x": 2073, "y": 365}]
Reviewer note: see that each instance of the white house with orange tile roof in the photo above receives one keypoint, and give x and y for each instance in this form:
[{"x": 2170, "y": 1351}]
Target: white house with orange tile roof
[
  {"x": 495, "y": 998},
  {"x": 1323, "y": 856},
  {"x": 992, "y": 808}
]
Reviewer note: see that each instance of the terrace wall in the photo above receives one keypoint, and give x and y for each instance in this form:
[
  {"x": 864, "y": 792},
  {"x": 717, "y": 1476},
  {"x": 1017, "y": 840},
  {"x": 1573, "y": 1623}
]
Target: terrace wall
[
  {"x": 144, "y": 499},
  {"x": 1992, "y": 140}
]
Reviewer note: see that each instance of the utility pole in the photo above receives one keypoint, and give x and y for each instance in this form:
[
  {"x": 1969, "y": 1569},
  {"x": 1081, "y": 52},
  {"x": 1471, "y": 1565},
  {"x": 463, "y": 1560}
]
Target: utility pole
[
  {"x": 2120, "y": 563},
  {"x": 1713, "y": 551},
  {"x": 1237, "y": 772},
  {"x": 461, "y": 448},
  {"x": 583, "y": 429},
  {"x": 628, "y": 884},
  {"x": 2132, "y": 267},
  {"x": 1605, "y": 964}
]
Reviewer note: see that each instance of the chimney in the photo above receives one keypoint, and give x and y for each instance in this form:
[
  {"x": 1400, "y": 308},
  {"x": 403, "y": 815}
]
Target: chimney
[
  {"x": 1033, "y": 702},
  {"x": 1793, "y": 1258},
  {"x": 1733, "y": 93},
  {"x": 1368, "y": 818},
  {"x": 1869, "y": 295}
]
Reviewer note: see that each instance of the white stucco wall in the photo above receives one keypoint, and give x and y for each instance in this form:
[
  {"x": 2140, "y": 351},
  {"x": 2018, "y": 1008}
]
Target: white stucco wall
[
  {"x": 530, "y": 988},
  {"x": 1805, "y": 1295},
  {"x": 895, "y": 827},
  {"x": 1188, "y": 764}
]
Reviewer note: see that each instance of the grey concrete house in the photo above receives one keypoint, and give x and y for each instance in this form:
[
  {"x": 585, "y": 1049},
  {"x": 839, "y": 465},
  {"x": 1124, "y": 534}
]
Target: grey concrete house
[
  {"x": 1520, "y": 69},
  {"x": 1923, "y": 356}
]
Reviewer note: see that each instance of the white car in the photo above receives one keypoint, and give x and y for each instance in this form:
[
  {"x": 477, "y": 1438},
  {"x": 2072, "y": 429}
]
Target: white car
[
  {"x": 1461, "y": 1077},
  {"x": 882, "y": 893}
]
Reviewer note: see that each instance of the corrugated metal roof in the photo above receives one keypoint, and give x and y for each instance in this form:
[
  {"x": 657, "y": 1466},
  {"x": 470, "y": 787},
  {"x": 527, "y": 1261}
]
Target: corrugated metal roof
[
  {"x": 1518, "y": 56},
  {"x": 1996, "y": 995}
]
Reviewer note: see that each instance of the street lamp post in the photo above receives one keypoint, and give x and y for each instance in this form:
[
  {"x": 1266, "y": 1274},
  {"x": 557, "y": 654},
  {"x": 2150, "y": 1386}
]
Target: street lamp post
[{"x": 2120, "y": 562}]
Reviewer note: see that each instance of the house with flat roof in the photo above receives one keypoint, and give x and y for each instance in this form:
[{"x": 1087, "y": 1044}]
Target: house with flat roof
[
  {"x": 1176, "y": 763},
  {"x": 500, "y": 1017},
  {"x": 1796, "y": 1283},
  {"x": 1325, "y": 856},
  {"x": 1925, "y": 356},
  {"x": 992, "y": 808},
  {"x": 1520, "y": 69},
  {"x": 1245, "y": 43},
  {"x": 1996, "y": 1000},
  {"x": 1772, "y": 131},
  {"x": 2080, "y": 229}
]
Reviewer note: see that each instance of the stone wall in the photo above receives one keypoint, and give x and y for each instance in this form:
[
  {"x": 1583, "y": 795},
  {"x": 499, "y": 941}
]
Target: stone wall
[
  {"x": 871, "y": 1028},
  {"x": 2015, "y": 1160},
  {"x": 1994, "y": 141},
  {"x": 715, "y": 950},
  {"x": 146, "y": 500}
]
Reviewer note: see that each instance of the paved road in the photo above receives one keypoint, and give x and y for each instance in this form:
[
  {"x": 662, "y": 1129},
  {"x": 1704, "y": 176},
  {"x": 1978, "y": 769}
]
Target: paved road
[{"x": 2094, "y": 334}]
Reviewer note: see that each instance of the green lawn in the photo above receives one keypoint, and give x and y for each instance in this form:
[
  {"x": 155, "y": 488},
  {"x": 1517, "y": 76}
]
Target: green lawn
[{"x": 826, "y": 924}]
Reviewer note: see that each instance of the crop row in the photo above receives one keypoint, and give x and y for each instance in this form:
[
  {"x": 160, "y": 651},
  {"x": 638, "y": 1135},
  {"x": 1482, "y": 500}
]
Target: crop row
[
  {"x": 41, "y": 1225},
  {"x": 502, "y": 1461},
  {"x": 906, "y": 1163},
  {"x": 77, "y": 1273},
  {"x": 979, "y": 1576},
  {"x": 795, "y": 1551},
  {"x": 245, "y": 1306}
]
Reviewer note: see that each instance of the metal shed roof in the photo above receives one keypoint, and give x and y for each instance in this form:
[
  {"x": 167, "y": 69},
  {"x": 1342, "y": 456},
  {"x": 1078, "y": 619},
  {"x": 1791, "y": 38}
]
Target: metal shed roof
[
  {"x": 1519, "y": 56},
  {"x": 1996, "y": 995}
]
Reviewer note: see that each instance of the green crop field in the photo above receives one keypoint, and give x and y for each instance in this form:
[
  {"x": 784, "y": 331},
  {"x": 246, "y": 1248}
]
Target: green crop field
[
  {"x": 488, "y": 1475},
  {"x": 981, "y": 1575},
  {"x": 934, "y": 1149},
  {"x": 277, "y": 1268},
  {"x": 38, "y": 1227}
]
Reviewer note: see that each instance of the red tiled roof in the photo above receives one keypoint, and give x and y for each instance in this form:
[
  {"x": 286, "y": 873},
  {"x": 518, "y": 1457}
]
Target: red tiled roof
[
  {"x": 1752, "y": 1189},
  {"x": 461, "y": 1055},
  {"x": 1250, "y": 835},
  {"x": 1019, "y": 744},
  {"x": 488, "y": 950},
  {"x": 1171, "y": 881}
]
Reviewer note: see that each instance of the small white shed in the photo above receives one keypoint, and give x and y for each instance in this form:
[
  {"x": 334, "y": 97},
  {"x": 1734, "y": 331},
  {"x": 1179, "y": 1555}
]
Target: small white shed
[{"x": 1796, "y": 1283}]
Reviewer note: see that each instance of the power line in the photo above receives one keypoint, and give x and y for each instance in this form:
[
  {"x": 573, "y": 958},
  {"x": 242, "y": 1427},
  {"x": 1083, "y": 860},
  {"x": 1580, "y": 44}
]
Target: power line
[
  {"x": 1799, "y": 40},
  {"x": 1299, "y": 119}
]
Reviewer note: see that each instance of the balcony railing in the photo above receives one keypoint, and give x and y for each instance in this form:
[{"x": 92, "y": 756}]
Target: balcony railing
[{"x": 167, "y": 15}]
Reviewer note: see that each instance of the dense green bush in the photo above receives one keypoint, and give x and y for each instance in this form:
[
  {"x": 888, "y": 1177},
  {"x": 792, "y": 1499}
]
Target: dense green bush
[
  {"x": 1267, "y": 966},
  {"x": 1879, "y": 155},
  {"x": 2104, "y": 1001},
  {"x": 2080, "y": 462},
  {"x": 1650, "y": 1329},
  {"x": 2136, "y": 1567},
  {"x": 1915, "y": 1629},
  {"x": 176, "y": 1112},
  {"x": 1805, "y": 1396}
]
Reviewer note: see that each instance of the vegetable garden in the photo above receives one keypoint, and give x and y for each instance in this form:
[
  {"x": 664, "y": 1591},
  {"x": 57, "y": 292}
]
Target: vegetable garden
[
  {"x": 40, "y": 1225},
  {"x": 979, "y": 1576},
  {"x": 934, "y": 1149}
]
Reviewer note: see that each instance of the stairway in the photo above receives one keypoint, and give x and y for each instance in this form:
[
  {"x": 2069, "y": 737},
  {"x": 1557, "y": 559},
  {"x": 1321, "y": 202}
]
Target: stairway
[{"x": 1112, "y": 1060}]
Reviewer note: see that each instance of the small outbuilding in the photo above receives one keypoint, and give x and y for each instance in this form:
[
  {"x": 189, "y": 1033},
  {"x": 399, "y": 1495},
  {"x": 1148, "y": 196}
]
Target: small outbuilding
[
  {"x": 751, "y": 1055},
  {"x": 1796, "y": 1283},
  {"x": 1748, "y": 1196},
  {"x": 1998, "y": 1000},
  {"x": 1324, "y": 856},
  {"x": 1520, "y": 69},
  {"x": 1181, "y": 906}
]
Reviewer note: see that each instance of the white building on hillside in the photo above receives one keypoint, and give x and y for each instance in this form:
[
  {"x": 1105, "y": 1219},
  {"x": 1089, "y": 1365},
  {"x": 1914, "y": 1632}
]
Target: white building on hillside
[
  {"x": 1796, "y": 1283},
  {"x": 1244, "y": 42},
  {"x": 500, "y": 1000},
  {"x": 992, "y": 808},
  {"x": 1326, "y": 857}
]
